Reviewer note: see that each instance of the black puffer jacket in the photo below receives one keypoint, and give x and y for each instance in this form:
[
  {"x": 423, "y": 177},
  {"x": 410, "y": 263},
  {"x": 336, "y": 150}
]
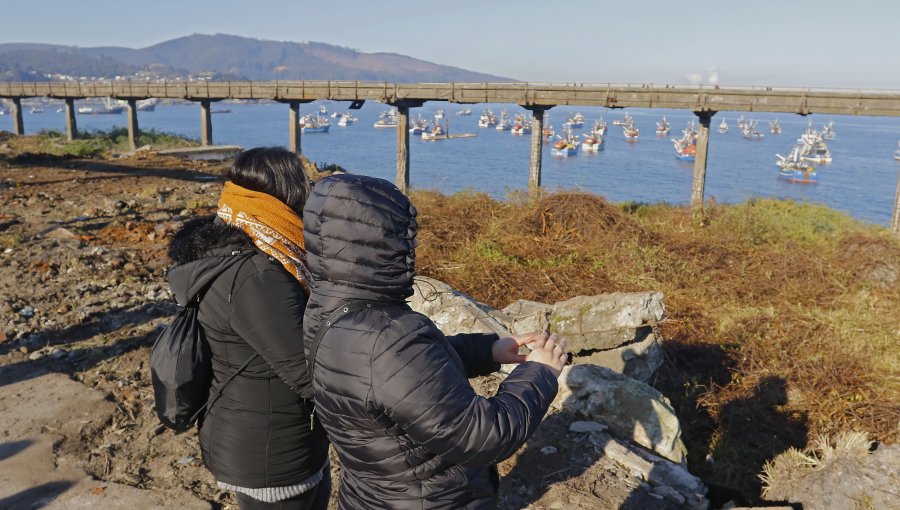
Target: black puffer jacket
[
  {"x": 257, "y": 433},
  {"x": 391, "y": 389}
]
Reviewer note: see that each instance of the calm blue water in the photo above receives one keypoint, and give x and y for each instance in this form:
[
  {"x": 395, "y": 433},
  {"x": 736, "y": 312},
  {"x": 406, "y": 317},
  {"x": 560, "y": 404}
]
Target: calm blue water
[{"x": 862, "y": 179}]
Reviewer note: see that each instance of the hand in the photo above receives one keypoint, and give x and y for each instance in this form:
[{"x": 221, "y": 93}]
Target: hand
[
  {"x": 506, "y": 350},
  {"x": 552, "y": 353}
]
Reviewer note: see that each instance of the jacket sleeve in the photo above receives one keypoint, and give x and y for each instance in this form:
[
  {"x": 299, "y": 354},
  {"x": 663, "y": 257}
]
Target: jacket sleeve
[
  {"x": 267, "y": 313},
  {"x": 418, "y": 385},
  {"x": 475, "y": 351}
]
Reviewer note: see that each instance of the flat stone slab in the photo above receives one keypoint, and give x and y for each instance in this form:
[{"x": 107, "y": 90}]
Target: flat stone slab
[
  {"x": 206, "y": 153},
  {"x": 42, "y": 411}
]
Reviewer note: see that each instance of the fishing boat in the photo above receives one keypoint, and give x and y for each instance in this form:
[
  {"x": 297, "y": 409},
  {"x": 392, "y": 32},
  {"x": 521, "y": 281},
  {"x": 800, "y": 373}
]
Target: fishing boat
[
  {"x": 439, "y": 114},
  {"x": 504, "y": 124},
  {"x": 741, "y": 123},
  {"x": 828, "y": 131},
  {"x": 631, "y": 133},
  {"x": 346, "y": 119},
  {"x": 323, "y": 111},
  {"x": 599, "y": 128},
  {"x": 521, "y": 126},
  {"x": 565, "y": 146},
  {"x": 723, "y": 126},
  {"x": 147, "y": 105},
  {"x": 335, "y": 115},
  {"x": 314, "y": 124},
  {"x": 547, "y": 133},
  {"x": 751, "y": 131},
  {"x": 418, "y": 126},
  {"x": 897, "y": 152},
  {"x": 627, "y": 120},
  {"x": 221, "y": 110},
  {"x": 576, "y": 121},
  {"x": 662, "y": 127},
  {"x": 775, "y": 127},
  {"x": 388, "y": 119},
  {"x": 794, "y": 168},
  {"x": 436, "y": 131},
  {"x": 487, "y": 119},
  {"x": 592, "y": 143},
  {"x": 465, "y": 112},
  {"x": 108, "y": 108}
]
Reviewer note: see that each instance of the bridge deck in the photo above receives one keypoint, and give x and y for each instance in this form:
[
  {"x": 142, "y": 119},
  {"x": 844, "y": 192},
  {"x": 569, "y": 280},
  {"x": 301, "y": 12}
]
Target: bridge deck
[{"x": 694, "y": 98}]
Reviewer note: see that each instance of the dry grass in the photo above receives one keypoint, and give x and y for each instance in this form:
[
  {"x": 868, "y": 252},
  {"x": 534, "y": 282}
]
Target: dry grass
[{"x": 762, "y": 295}]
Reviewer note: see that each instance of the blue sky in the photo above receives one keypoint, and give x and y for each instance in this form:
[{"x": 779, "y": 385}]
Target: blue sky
[{"x": 825, "y": 43}]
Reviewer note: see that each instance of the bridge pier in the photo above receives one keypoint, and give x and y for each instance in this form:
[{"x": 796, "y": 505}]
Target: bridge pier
[
  {"x": 71, "y": 125},
  {"x": 699, "y": 182},
  {"x": 18, "y": 122},
  {"x": 205, "y": 123},
  {"x": 537, "y": 147},
  {"x": 402, "y": 178},
  {"x": 895, "y": 218},
  {"x": 294, "y": 131},
  {"x": 133, "y": 131}
]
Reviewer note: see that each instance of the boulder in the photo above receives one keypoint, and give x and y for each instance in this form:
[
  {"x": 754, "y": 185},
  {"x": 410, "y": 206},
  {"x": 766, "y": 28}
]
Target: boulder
[
  {"x": 631, "y": 409},
  {"x": 453, "y": 311}
]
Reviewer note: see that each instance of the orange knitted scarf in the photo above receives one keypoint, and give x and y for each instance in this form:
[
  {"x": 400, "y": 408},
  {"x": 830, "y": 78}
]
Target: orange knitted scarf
[{"x": 274, "y": 227}]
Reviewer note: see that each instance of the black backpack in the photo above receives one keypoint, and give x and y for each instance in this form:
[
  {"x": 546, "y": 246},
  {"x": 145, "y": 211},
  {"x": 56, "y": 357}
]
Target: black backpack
[{"x": 181, "y": 369}]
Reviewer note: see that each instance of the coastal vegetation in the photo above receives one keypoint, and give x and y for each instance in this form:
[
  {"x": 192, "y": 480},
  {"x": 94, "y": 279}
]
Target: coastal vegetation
[
  {"x": 781, "y": 322},
  {"x": 95, "y": 143}
]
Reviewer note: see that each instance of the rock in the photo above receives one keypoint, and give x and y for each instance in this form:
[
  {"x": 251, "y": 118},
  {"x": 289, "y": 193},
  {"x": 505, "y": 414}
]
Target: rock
[
  {"x": 453, "y": 311},
  {"x": 27, "y": 312},
  {"x": 845, "y": 473},
  {"x": 638, "y": 360},
  {"x": 526, "y": 316},
  {"x": 586, "y": 427},
  {"x": 549, "y": 450},
  {"x": 60, "y": 233},
  {"x": 36, "y": 355},
  {"x": 658, "y": 472},
  {"x": 632, "y": 410},
  {"x": 607, "y": 321}
]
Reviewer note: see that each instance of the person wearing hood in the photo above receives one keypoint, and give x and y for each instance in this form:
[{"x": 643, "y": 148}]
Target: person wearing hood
[
  {"x": 256, "y": 438},
  {"x": 391, "y": 390}
]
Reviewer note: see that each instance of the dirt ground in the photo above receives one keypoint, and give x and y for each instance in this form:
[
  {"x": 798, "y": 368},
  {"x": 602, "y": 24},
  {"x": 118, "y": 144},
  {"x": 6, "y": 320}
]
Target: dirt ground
[{"x": 83, "y": 293}]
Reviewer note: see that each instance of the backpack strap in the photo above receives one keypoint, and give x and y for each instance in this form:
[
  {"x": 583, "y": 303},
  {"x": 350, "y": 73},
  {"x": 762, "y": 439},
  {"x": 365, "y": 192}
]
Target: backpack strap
[
  {"x": 347, "y": 307},
  {"x": 218, "y": 391}
]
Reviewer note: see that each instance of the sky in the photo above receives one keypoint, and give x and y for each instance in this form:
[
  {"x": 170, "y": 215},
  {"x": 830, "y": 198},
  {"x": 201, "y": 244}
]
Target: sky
[{"x": 797, "y": 43}]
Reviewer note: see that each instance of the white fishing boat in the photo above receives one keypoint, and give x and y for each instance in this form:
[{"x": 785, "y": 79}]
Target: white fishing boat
[
  {"x": 521, "y": 126},
  {"x": 794, "y": 168},
  {"x": 828, "y": 131},
  {"x": 662, "y": 127},
  {"x": 897, "y": 152},
  {"x": 314, "y": 124},
  {"x": 436, "y": 131},
  {"x": 627, "y": 120},
  {"x": 751, "y": 131},
  {"x": 599, "y": 128},
  {"x": 723, "y": 126},
  {"x": 418, "y": 126},
  {"x": 487, "y": 119},
  {"x": 36, "y": 109},
  {"x": 346, "y": 119},
  {"x": 147, "y": 105},
  {"x": 775, "y": 127},
  {"x": 109, "y": 107},
  {"x": 592, "y": 143},
  {"x": 439, "y": 115},
  {"x": 631, "y": 133},
  {"x": 504, "y": 124},
  {"x": 388, "y": 119},
  {"x": 567, "y": 146},
  {"x": 465, "y": 112},
  {"x": 576, "y": 121}
]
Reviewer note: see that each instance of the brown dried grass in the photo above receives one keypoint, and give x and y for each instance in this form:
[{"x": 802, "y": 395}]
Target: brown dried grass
[{"x": 763, "y": 290}]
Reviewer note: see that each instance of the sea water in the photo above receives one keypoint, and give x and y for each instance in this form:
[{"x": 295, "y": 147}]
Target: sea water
[{"x": 862, "y": 179}]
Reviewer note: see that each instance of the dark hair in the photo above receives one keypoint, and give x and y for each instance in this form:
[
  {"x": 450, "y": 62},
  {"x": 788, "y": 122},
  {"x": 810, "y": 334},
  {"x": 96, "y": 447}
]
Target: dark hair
[{"x": 274, "y": 171}]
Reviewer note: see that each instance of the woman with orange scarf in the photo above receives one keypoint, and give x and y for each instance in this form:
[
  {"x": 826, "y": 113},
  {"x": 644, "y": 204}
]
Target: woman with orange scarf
[{"x": 247, "y": 269}]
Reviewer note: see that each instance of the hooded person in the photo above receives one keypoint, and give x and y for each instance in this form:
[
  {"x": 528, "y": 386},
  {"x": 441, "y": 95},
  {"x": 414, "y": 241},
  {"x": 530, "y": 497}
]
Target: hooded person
[
  {"x": 391, "y": 390},
  {"x": 256, "y": 437}
]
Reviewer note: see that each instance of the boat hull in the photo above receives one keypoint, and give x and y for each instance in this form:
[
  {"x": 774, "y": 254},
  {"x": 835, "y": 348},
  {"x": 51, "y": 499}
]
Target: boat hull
[
  {"x": 685, "y": 157},
  {"x": 799, "y": 176},
  {"x": 320, "y": 129}
]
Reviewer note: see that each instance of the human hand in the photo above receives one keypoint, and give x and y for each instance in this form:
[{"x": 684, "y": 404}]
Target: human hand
[
  {"x": 506, "y": 350},
  {"x": 551, "y": 352}
]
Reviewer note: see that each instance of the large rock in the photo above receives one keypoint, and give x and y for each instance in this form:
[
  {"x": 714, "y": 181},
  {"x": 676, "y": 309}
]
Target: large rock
[
  {"x": 631, "y": 409},
  {"x": 614, "y": 330},
  {"x": 845, "y": 473},
  {"x": 453, "y": 311}
]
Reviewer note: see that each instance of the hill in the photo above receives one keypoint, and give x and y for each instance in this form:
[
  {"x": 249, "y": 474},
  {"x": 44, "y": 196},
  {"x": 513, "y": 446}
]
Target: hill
[{"x": 225, "y": 56}]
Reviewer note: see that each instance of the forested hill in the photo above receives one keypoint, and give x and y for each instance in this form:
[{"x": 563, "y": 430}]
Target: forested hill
[{"x": 224, "y": 56}]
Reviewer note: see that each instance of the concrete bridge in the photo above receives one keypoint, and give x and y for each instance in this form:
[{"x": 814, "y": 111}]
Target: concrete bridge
[{"x": 704, "y": 101}]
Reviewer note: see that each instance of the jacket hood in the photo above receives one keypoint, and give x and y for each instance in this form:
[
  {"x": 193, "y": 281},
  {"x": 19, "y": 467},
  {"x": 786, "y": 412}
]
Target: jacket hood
[
  {"x": 202, "y": 250},
  {"x": 359, "y": 233}
]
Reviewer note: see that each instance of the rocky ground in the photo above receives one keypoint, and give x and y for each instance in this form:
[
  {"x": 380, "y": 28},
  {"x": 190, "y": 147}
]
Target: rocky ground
[{"x": 82, "y": 294}]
